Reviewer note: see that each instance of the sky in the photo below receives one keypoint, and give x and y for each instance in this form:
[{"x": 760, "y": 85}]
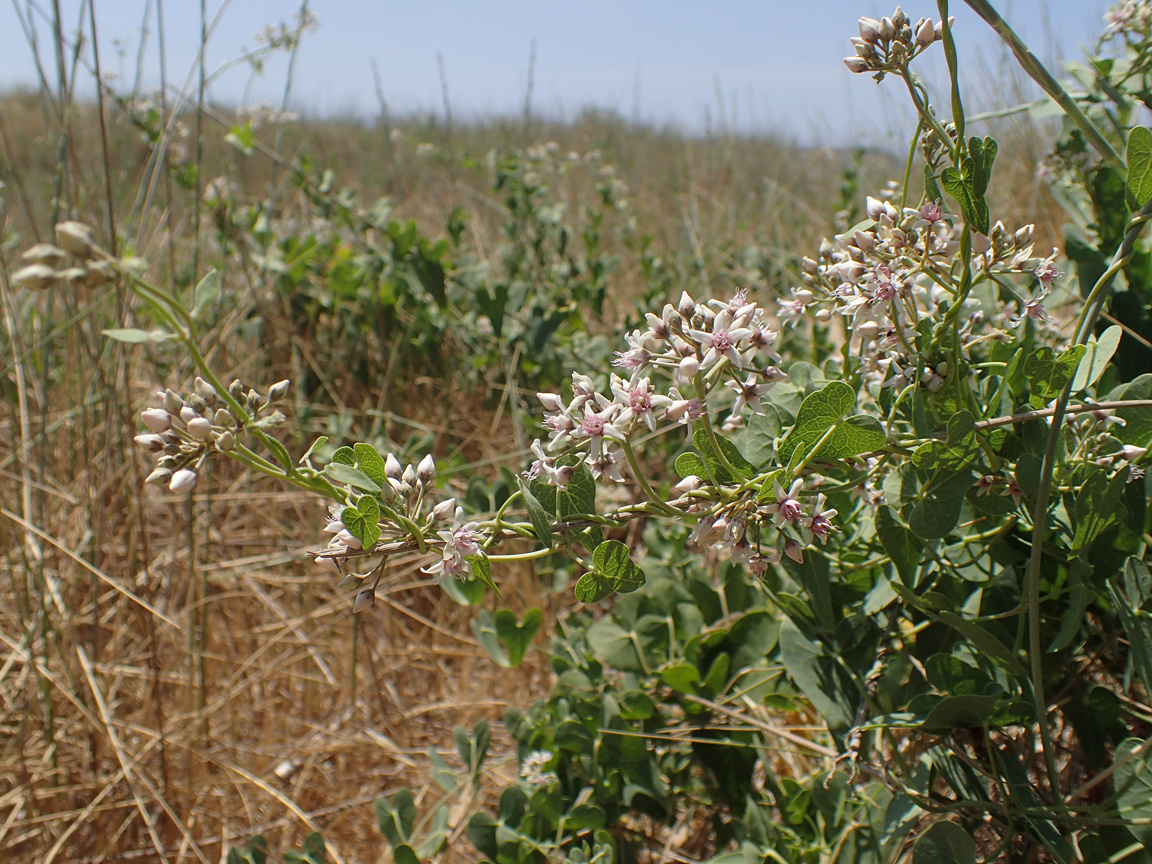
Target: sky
[{"x": 746, "y": 66}]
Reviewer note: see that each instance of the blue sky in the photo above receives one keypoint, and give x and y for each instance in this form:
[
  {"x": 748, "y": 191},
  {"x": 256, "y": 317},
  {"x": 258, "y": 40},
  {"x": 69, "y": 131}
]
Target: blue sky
[{"x": 769, "y": 64}]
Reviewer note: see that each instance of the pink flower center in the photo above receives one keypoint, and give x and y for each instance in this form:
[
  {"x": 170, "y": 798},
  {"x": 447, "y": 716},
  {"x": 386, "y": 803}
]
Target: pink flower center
[
  {"x": 593, "y": 426},
  {"x": 790, "y": 509},
  {"x": 721, "y": 341},
  {"x": 639, "y": 401}
]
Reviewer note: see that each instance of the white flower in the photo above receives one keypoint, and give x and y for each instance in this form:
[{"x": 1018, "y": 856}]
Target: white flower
[{"x": 723, "y": 341}]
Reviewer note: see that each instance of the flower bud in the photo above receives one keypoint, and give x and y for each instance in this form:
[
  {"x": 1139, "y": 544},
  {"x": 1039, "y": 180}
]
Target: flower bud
[
  {"x": 222, "y": 417},
  {"x": 869, "y": 30},
  {"x": 236, "y": 390},
  {"x": 183, "y": 480},
  {"x": 444, "y": 510},
  {"x": 327, "y": 563},
  {"x": 409, "y": 476},
  {"x": 899, "y": 19},
  {"x": 689, "y": 484},
  {"x": 794, "y": 550},
  {"x": 925, "y": 34},
  {"x": 38, "y": 277},
  {"x": 76, "y": 277},
  {"x": 188, "y": 413},
  {"x": 562, "y": 476},
  {"x": 803, "y": 295},
  {"x": 1131, "y": 452},
  {"x": 868, "y": 330},
  {"x": 874, "y": 206},
  {"x": 200, "y": 428},
  {"x": 887, "y": 28},
  {"x": 551, "y": 401},
  {"x": 225, "y": 442},
  {"x": 254, "y": 400},
  {"x": 44, "y": 253},
  {"x": 363, "y": 600},
  {"x": 346, "y": 538},
  {"x": 197, "y": 405},
  {"x": 686, "y": 306},
  {"x": 151, "y": 443},
  {"x": 426, "y": 471},
  {"x": 158, "y": 477},
  {"x": 172, "y": 402},
  {"x": 99, "y": 273},
  {"x": 278, "y": 390},
  {"x": 823, "y": 315},
  {"x": 204, "y": 390},
  {"x": 980, "y": 244},
  {"x": 856, "y": 64},
  {"x": 809, "y": 266},
  {"x": 76, "y": 239},
  {"x": 689, "y": 366},
  {"x": 392, "y": 467},
  {"x": 156, "y": 419},
  {"x": 864, "y": 240}
]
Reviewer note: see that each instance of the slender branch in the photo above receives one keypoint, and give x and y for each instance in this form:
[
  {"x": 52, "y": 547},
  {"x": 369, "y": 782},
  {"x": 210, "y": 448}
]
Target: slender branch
[{"x": 1049, "y": 85}]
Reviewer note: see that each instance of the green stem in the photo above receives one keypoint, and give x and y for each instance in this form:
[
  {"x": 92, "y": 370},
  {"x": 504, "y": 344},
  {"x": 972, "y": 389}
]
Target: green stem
[
  {"x": 950, "y": 57},
  {"x": 1049, "y": 85},
  {"x": 656, "y": 500},
  {"x": 702, "y": 394}
]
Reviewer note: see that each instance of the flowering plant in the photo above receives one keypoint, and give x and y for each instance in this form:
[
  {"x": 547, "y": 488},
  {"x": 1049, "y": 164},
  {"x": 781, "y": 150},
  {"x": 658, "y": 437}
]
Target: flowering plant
[{"x": 944, "y": 517}]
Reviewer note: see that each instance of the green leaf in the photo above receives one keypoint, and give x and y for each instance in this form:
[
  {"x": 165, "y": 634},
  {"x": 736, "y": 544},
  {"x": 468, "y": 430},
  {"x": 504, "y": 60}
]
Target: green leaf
[
  {"x": 405, "y": 854},
  {"x": 983, "y": 151},
  {"x": 482, "y": 570},
  {"x": 760, "y": 439},
  {"x": 614, "y": 571},
  {"x": 517, "y": 636},
  {"x": 1134, "y": 787},
  {"x": 466, "y": 592},
  {"x": 134, "y": 336},
  {"x": 935, "y": 509},
  {"x": 316, "y": 445},
  {"x": 350, "y": 476},
  {"x": 255, "y": 851},
  {"x": 957, "y": 451},
  {"x": 345, "y": 456},
  {"x": 1131, "y": 592},
  {"x": 536, "y": 514},
  {"x": 1097, "y": 353},
  {"x": 735, "y": 458},
  {"x": 1048, "y": 372},
  {"x": 206, "y": 294},
  {"x": 827, "y": 409},
  {"x": 1139, "y": 158},
  {"x": 312, "y": 853},
  {"x": 985, "y": 642},
  {"x": 689, "y": 465},
  {"x": 473, "y": 749},
  {"x": 944, "y": 843},
  {"x": 960, "y": 183},
  {"x": 819, "y": 677},
  {"x": 243, "y": 138},
  {"x": 371, "y": 463},
  {"x": 899, "y": 543},
  {"x": 361, "y": 520},
  {"x": 1098, "y": 506},
  {"x": 484, "y": 629},
  {"x": 396, "y": 816},
  {"x": 682, "y": 678}
]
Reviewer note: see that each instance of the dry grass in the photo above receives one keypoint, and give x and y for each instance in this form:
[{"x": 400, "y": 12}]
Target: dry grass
[{"x": 172, "y": 679}]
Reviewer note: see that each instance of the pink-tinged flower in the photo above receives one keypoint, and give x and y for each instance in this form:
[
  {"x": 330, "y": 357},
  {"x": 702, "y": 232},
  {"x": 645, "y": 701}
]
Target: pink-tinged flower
[
  {"x": 1012, "y": 489},
  {"x": 637, "y": 358},
  {"x": 819, "y": 524},
  {"x": 1046, "y": 271},
  {"x": 680, "y": 410},
  {"x": 460, "y": 543},
  {"x": 748, "y": 394},
  {"x": 787, "y": 507},
  {"x": 596, "y": 426},
  {"x": 723, "y": 341},
  {"x": 1034, "y": 309},
  {"x": 984, "y": 485},
  {"x": 637, "y": 401},
  {"x": 608, "y": 465}
]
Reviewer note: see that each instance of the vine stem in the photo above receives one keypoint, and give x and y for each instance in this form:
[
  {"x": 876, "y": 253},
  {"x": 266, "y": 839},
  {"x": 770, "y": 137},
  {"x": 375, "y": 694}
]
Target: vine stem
[
  {"x": 1085, "y": 323},
  {"x": 1048, "y": 84},
  {"x": 702, "y": 395},
  {"x": 656, "y": 500}
]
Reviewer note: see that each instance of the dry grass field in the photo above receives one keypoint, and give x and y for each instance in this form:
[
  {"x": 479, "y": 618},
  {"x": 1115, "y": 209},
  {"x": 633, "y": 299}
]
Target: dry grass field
[{"x": 175, "y": 674}]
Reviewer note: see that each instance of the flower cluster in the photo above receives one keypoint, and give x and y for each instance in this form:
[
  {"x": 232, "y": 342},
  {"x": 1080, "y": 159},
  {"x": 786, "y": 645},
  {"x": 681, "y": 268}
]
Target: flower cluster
[
  {"x": 183, "y": 433},
  {"x": 1131, "y": 16},
  {"x": 889, "y": 44},
  {"x": 697, "y": 346},
  {"x": 75, "y": 260}
]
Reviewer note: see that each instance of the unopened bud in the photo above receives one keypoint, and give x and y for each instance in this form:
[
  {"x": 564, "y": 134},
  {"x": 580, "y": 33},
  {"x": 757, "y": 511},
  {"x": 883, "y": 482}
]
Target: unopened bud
[
  {"x": 222, "y": 417},
  {"x": 869, "y": 30},
  {"x": 392, "y": 467},
  {"x": 254, "y": 400},
  {"x": 689, "y": 366},
  {"x": 925, "y": 34},
  {"x": 551, "y": 401},
  {"x": 204, "y": 390},
  {"x": 188, "y": 413},
  {"x": 278, "y": 390},
  {"x": 236, "y": 390},
  {"x": 197, "y": 405},
  {"x": 156, "y": 419},
  {"x": 823, "y": 315},
  {"x": 38, "y": 277},
  {"x": 864, "y": 240},
  {"x": 200, "y": 428},
  {"x": 363, "y": 600},
  {"x": 151, "y": 443},
  {"x": 856, "y": 64},
  {"x": 172, "y": 402},
  {"x": 809, "y": 266},
  {"x": 874, "y": 206},
  {"x": 76, "y": 239},
  {"x": 803, "y": 295},
  {"x": 183, "y": 480},
  {"x": 887, "y": 28},
  {"x": 426, "y": 471},
  {"x": 44, "y": 253},
  {"x": 562, "y": 476},
  {"x": 159, "y": 477},
  {"x": 1131, "y": 452},
  {"x": 327, "y": 562},
  {"x": 444, "y": 510},
  {"x": 868, "y": 330},
  {"x": 409, "y": 476},
  {"x": 794, "y": 550},
  {"x": 225, "y": 442},
  {"x": 99, "y": 273},
  {"x": 687, "y": 306}
]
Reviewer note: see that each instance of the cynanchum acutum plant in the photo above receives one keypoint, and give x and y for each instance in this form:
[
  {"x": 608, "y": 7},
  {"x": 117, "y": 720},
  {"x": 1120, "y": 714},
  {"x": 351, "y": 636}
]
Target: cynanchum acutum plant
[{"x": 948, "y": 513}]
